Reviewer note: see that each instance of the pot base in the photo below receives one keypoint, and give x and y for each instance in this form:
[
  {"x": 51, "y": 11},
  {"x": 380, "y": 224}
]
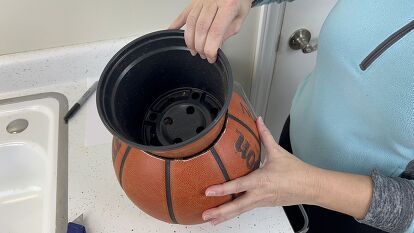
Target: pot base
[{"x": 179, "y": 115}]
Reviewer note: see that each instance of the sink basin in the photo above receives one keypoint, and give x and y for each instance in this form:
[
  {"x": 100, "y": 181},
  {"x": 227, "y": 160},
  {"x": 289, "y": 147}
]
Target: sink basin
[{"x": 33, "y": 164}]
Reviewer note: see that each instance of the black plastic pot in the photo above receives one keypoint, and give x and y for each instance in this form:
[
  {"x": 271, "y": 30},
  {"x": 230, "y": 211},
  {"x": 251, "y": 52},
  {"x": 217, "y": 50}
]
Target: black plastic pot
[{"x": 156, "y": 96}]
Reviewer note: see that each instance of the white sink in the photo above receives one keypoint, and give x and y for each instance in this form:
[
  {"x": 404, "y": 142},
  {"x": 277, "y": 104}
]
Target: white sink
[{"x": 33, "y": 165}]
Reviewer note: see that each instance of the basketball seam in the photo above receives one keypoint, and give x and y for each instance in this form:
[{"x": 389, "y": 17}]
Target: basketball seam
[
  {"x": 122, "y": 164},
  {"x": 168, "y": 191},
  {"x": 222, "y": 167},
  {"x": 245, "y": 126}
]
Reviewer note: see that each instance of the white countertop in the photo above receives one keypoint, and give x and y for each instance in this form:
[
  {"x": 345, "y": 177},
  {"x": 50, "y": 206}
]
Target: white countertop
[{"x": 93, "y": 187}]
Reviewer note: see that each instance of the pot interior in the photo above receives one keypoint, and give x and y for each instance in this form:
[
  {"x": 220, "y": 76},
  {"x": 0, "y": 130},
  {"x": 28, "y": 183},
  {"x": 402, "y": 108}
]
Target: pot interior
[{"x": 157, "y": 94}]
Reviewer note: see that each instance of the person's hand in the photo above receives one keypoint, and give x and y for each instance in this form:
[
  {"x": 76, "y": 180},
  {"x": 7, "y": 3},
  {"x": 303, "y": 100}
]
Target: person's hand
[
  {"x": 282, "y": 180},
  {"x": 209, "y": 23}
]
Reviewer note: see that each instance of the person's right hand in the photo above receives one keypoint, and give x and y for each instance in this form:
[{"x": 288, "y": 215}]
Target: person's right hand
[{"x": 209, "y": 23}]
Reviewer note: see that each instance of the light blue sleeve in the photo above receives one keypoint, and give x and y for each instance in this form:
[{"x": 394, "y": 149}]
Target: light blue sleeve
[{"x": 263, "y": 2}]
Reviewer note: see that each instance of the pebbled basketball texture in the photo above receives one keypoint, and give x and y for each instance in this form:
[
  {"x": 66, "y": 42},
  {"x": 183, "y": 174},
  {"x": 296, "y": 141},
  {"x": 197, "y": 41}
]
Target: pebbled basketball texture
[{"x": 173, "y": 190}]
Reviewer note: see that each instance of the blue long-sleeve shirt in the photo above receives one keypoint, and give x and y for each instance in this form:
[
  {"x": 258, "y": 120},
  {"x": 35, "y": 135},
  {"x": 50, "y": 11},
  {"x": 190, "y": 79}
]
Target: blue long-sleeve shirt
[{"x": 355, "y": 111}]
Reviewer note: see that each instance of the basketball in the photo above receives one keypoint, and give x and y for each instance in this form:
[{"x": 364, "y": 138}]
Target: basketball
[
  {"x": 178, "y": 125},
  {"x": 172, "y": 190}
]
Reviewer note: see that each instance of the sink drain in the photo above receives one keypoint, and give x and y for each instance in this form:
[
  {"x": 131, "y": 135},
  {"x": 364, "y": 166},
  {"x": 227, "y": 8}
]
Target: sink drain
[{"x": 17, "y": 126}]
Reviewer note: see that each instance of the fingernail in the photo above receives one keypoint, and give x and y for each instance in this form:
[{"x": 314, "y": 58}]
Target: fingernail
[
  {"x": 202, "y": 56},
  {"x": 206, "y": 217},
  {"x": 260, "y": 119},
  {"x": 210, "y": 193},
  {"x": 211, "y": 60},
  {"x": 193, "y": 52}
]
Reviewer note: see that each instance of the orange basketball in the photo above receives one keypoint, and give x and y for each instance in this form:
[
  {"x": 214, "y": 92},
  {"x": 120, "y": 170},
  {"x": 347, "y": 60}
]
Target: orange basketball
[
  {"x": 173, "y": 190},
  {"x": 178, "y": 126}
]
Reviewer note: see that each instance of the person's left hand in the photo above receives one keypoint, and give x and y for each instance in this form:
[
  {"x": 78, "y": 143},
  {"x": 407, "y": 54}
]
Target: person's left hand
[
  {"x": 209, "y": 23},
  {"x": 282, "y": 180}
]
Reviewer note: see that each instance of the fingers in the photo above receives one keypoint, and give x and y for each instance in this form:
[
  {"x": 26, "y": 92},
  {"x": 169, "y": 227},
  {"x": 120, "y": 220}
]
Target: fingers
[
  {"x": 215, "y": 37},
  {"x": 266, "y": 137},
  {"x": 191, "y": 26},
  {"x": 209, "y": 23},
  {"x": 203, "y": 25},
  {"x": 181, "y": 19},
  {"x": 230, "y": 210},
  {"x": 238, "y": 185}
]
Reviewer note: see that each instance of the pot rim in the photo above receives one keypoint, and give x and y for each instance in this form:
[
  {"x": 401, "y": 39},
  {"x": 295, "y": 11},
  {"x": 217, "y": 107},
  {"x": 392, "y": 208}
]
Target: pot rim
[{"x": 163, "y": 34}]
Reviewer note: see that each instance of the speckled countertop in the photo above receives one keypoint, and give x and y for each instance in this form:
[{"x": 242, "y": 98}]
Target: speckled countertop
[{"x": 93, "y": 187}]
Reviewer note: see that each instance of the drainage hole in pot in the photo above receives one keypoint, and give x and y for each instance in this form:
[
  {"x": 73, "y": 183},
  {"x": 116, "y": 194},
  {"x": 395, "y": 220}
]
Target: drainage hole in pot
[
  {"x": 168, "y": 121},
  {"x": 177, "y": 140},
  {"x": 199, "y": 129},
  {"x": 195, "y": 95},
  {"x": 153, "y": 116},
  {"x": 190, "y": 110}
]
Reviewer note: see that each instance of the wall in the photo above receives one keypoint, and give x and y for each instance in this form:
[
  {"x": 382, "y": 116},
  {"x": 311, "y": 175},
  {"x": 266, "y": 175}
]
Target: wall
[{"x": 27, "y": 25}]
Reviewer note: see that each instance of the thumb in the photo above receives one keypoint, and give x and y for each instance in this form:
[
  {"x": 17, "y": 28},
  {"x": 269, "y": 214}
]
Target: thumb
[{"x": 266, "y": 137}]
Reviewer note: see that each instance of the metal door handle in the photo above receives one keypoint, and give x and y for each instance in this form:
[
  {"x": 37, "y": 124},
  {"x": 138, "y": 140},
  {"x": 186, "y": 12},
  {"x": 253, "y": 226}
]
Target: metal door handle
[{"x": 300, "y": 40}]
